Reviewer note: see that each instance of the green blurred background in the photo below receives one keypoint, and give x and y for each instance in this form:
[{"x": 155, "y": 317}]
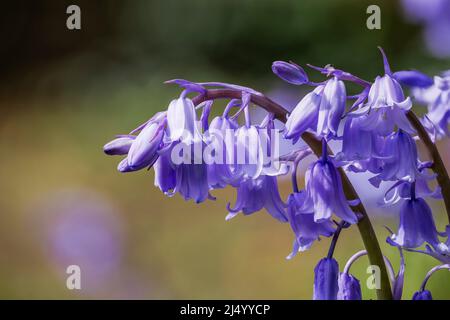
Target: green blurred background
[{"x": 66, "y": 93}]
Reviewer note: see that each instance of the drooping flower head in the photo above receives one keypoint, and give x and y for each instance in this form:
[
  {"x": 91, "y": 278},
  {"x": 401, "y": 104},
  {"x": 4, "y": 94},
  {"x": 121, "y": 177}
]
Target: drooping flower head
[
  {"x": 326, "y": 274},
  {"x": 324, "y": 187},
  {"x": 300, "y": 213}
]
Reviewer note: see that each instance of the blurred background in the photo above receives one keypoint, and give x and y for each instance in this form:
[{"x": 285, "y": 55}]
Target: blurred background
[{"x": 65, "y": 93}]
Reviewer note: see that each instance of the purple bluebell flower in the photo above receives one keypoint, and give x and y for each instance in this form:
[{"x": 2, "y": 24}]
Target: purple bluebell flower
[
  {"x": 300, "y": 213},
  {"x": 324, "y": 187},
  {"x": 326, "y": 275},
  {"x": 386, "y": 107},
  {"x": 182, "y": 121},
  {"x": 144, "y": 149},
  {"x": 255, "y": 194},
  {"x": 416, "y": 224},
  {"x": 401, "y": 160},
  {"x": 119, "y": 146},
  {"x": 438, "y": 100},
  {"x": 319, "y": 111},
  {"x": 222, "y": 169},
  {"x": 290, "y": 72},
  {"x": 192, "y": 182},
  {"x": 349, "y": 287},
  {"x": 422, "y": 295},
  {"x": 165, "y": 173}
]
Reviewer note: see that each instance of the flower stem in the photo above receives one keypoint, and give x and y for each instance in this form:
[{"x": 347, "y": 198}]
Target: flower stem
[
  {"x": 438, "y": 165},
  {"x": 364, "y": 225}
]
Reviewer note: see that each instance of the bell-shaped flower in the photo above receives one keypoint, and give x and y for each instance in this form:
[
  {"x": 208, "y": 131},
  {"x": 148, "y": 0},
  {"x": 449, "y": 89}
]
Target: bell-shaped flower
[
  {"x": 290, "y": 72},
  {"x": 319, "y": 111},
  {"x": 386, "y": 107},
  {"x": 416, "y": 225},
  {"x": 255, "y": 194},
  {"x": 326, "y": 274},
  {"x": 439, "y": 103},
  {"x": 349, "y": 287},
  {"x": 192, "y": 182},
  {"x": 324, "y": 187},
  {"x": 165, "y": 174},
  {"x": 401, "y": 160},
  {"x": 220, "y": 153},
  {"x": 422, "y": 295},
  {"x": 182, "y": 121},
  {"x": 249, "y": 152},
  {"x": 144, "y": 149},
  {"x": 300, "y": 213}
]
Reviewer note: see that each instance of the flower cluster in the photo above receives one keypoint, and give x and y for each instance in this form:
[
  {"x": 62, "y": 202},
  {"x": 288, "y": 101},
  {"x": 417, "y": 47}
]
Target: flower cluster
[{"x": 192, "y": 155}]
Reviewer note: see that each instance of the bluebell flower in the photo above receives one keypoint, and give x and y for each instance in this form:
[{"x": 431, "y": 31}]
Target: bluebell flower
[
  {"x": 192, "y": 182},
  {"x": 255, "y": 194},
  {"x": 422, "y": 295},
  {"x": 319, "y": 111},
  {"x": 119, "y": 146},
  {"x": 300, "y": 213},
  {"x": 165, "y": 174},
  {"x": 437, "y": 98},
  {"x": 324, "y": 187},
  {"x": 416, "y": 225},
  {"x": 386, "y": 107},
  {"x": 401, "y": 160},
  {"x": 144, "y": 149},
  {"x": 221, "y": 167},
  {"x": 182, "y": 121},
  {"x": 326, "y": 274},
  {"x": 290, "y": 72},
  {"x": 349, "y": 287}
]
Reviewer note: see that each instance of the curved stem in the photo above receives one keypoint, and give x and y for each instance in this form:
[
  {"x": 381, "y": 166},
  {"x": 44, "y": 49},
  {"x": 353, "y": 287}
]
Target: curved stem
[
  {"x": 430, "y": 273},
  {"x": 364, "y": 225},
  {"x": 438, "y": 165}
]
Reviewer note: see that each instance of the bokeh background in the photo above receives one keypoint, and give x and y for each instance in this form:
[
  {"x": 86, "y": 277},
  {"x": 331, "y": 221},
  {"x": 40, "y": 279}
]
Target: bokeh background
[{"x": 65, "y": 93}]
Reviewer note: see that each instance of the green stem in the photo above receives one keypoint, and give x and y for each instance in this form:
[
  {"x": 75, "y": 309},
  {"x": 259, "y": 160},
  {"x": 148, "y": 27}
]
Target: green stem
[
  {"x": 438, "y": 165},
  {"x": 364, "y": 225}
]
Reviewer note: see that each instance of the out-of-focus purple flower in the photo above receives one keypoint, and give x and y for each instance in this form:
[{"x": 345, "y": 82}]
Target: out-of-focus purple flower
[
  {"x": 301, "y": 218},
  {"x": 326, "y": 275},
  {"x": 416, "y": 225},
  {"x": 319, "y": 111},
  {"x": 422, "y": 295},
  {"x": 255, "y": 194},
  {"x": 84, "y": 229},
  {"x": 437, "y": 36},
  {"x": 119, "y": 146},
  {"x": 434, "y": 15},
  {"x": 290, "y": 72},
  {"x": 438, "y": 101},
  {"x": 420, "y": 11},
  {"x": 324, "y": 187},
  {"x": 349, "y": 287}
]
